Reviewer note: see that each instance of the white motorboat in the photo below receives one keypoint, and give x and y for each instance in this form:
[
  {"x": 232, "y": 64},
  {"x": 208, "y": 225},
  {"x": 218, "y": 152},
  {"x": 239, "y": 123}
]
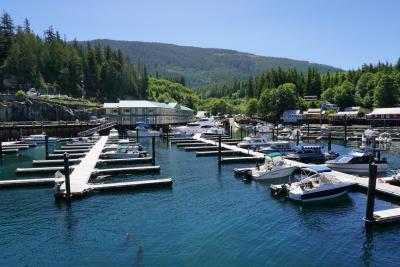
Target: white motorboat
[
  {"x": 113, "y": 134},
  {"x": 384, "y": 138},
  {"x": 322, "y": 184},
  {"x": 357, "y": 162},
  {"x": 143, "y": 132},
  {"x": 253, "y": 141},
  {"x": 39, "y": 139},
  {"x": 204, "y": 125},
  {"x": 276, "y": 167},
  {"x": 290, "y": 135},
  {"x": 96, "y": 136},
  {"x": 277, "y": 146},
  {"x": 261, "y": 128},
  {"x": 125, "y": 150},
  {"x": 80, "y": 141},
  {"x": 368, "y": 136}
]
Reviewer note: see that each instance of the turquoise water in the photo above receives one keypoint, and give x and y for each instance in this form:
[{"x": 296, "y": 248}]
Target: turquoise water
[{"x": 208, "y": 218}]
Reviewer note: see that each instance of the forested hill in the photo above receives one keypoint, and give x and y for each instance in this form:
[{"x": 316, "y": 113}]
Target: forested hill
[{"x": 204, "y": 66}]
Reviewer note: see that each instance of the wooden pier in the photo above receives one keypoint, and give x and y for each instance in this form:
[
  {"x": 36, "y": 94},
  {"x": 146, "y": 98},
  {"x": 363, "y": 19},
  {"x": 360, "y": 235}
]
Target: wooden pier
[
  {"x": 28, "y": 182},
  {"x": 128, "y": 170},
  {"x": 123, "y": 186},
  {"x": 387, "y": 216}
]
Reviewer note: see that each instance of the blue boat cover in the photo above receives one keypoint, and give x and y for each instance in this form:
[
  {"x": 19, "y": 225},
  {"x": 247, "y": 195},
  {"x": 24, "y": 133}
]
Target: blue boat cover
[{"x": 318, "y": 168}]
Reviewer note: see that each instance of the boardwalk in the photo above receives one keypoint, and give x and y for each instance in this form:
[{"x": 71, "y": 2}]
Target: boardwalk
[{"x": 80, "y": 176}]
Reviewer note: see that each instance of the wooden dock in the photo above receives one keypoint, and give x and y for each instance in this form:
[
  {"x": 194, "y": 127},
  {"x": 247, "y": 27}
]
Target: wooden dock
[
  {"x": 123, "y": 186},
  {"x": 387, "y": 216},
  {"x": 80, "y": 176},
  {"x": 128, "y": 170},
  {"x": 28, "y": 182}
]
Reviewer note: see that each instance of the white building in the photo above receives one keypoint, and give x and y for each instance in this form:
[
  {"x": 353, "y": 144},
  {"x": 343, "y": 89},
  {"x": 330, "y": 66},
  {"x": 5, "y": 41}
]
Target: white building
[
  {"x": 349, "y": 113},
  {"x": 129, "y": 112},
  {"x": 383, "y": 114},
  {"x": 292, "y": 116}
]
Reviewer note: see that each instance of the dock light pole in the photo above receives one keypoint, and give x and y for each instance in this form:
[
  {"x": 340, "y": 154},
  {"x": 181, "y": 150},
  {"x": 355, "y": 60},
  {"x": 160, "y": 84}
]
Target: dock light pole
[
  {"x": 329, "y": 141},
  {"x": 369, "y": 215},
  {"x": 219, "y": 150},
  {"x": 66, "y": 175},
  {"x": 46, "y": 140},
  {"x": 153, "y": 150}
]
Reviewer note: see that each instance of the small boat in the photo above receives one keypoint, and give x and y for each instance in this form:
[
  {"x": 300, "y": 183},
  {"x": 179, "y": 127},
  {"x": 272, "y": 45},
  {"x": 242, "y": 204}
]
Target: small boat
[
  {"x": 39, "y": 139},
  {"x": 276, "y": 167},
  {"x": 95, "y": 136},
  {"x": 204, "y": 125},
  {"x": 253, "y": 141},
  {"x": 307, "y": 153},
  {"x": 368, "y": 137},
  {"x": 125, "y": 150},
  {"x": 113, "y": 134},
  {"x": 319, "y": 184},
  {"x": 384, "y": 138},
  {"x": 262, "y": 128},
  {"x": 81, "y": 141},
  {"x": 357, "y": 161},
  {"x": 277, "y": 146}
]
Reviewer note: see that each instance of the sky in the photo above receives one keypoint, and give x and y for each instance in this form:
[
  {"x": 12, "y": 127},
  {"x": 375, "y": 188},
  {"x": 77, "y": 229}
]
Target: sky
[{"x": 340, "y": 33}]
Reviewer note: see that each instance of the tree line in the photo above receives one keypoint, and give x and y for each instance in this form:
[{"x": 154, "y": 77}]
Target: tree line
[
  {"x": 277, "y": 90},
  {"x": 28, "y": 60}
]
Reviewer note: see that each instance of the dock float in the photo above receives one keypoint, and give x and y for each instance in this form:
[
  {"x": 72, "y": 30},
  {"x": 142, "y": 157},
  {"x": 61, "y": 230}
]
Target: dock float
[
  {"x": 15, "y": 150},
  {"x": 62, "y": 151},
  {"x": 202, "y": 148},
  {"x": 123, "y": 186},
  {"x": 72, "y": 155},
  {"x": 125, "y": 161},
  {"x": 75, "y": 147},
  {"x": 27, "y": 182},
  {"x": 40, "y": 170},
  {"x": 387, "y": 216},
  {"x": 242, "y": 159},
  {"x": 191, "y": 144},
  {"x": 16, "y": 147},
  {"x": 128, "y": 170},
  {"x": 215, "y": 153},
  {"x": 45, "y": 162}
]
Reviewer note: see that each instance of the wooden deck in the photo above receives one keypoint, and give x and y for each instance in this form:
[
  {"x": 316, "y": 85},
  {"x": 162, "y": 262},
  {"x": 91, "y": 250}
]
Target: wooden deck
[
  {"x": 387, "y": 216},
  {"x": 81, "y": 174}
]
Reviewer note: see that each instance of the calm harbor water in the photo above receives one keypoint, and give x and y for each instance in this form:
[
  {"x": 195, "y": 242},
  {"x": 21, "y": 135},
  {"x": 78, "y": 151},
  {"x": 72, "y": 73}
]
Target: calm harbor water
[{"x": 208, "y": 218}]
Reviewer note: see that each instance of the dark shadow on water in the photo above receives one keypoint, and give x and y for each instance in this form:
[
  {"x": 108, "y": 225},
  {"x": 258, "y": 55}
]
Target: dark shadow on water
[
  {"x": 70, "y": 221},
  {"x": 129, "y": 242}
]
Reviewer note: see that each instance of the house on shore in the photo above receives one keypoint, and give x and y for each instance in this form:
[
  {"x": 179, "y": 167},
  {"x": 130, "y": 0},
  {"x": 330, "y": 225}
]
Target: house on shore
[
  {"x": 292, "y": 116},
  {"x": 313, "y": 114},
  {"x": 391, "y": 115},
  {"x": 348, "y": 113},
  {"x": 130, "y": 112}
]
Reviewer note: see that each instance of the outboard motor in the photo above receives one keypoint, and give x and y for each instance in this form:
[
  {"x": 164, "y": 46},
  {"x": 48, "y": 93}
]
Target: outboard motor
[{"x": 247, "y": 176}]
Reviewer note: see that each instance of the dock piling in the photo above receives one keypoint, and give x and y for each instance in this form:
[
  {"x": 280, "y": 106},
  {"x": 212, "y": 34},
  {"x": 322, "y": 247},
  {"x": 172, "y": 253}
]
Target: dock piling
[
  {"x": 219, "y": 150},
  {"x": 231, "y": 131},
  {"x": 66, "y": 175},
  {"x": 153, "y": 151},
  {"x": 1, "y": 149},
  {"x": 308, "y": 129},
  {"x": 241, "y": 133},
  {"x": 369, "y": 215},
  {"x": 297, "y": 137},
  {"x": 46, "y": 138},
  {"x": 329, "y": 141},
  {"x": 137, "y": 135}
]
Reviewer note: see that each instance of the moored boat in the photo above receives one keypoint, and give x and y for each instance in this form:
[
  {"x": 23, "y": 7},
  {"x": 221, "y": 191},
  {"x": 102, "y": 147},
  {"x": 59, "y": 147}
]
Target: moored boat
[
  {"x": 113, "y": 134},
  {"x": 39, "y": 139},
  {"x": 253, "y": 141},
  {"x": 274, "y": 168}
]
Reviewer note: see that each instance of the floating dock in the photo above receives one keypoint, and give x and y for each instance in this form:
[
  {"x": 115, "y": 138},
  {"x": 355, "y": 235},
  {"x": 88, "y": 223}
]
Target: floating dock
[
  {"x": 123, "y": 186},
  {"x": 387, "y": 216},
  {"x": 128, "y": 170},
  {"x": 28, "y": 182}
]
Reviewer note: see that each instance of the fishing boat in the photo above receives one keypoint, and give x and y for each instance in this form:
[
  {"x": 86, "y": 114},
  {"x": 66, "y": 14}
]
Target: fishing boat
[
  {"x": 39, "y": 139},
  {"x": 276, "y": 146},
  {"x": 275, "y": 167},
  {"x": 253, "y": 141},
  {"x": 126, "y": 150},
  {"x": 307, "y": 153},
  {"x": 357, "y": 161},
  {"x": 320, "y": 184},
  {"x": 143, "y": 130},
  {"x": 113, "y": 134}
]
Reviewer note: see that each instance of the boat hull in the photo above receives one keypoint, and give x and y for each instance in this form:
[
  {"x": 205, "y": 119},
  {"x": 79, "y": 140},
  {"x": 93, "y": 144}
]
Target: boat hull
[
  {"x": 275, "y": 173},
  {"x": 319, "y": 194},
  {"x": 356, "y": 168}
]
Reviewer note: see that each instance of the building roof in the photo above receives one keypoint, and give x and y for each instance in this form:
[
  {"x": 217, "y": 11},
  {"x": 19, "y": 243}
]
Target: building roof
[
  {"x": 292, "y": 111},
  {"x": 144, "y": 104},
  {"x": 385, "y": 111}
]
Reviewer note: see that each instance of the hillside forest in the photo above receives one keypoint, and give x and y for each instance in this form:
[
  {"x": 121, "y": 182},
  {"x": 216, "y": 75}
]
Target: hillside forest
[{"x": 101, "y": 73}]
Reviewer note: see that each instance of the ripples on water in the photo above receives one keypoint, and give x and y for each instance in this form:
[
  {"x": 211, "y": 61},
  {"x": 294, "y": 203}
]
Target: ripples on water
[{"x": 208, "y": 218}]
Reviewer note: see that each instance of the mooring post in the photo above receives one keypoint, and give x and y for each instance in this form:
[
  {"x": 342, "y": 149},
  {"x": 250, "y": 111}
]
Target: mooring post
[
  {"x": 153, "y": 150},
  {"x": 1, "y": 149},
  {"x": 277, "y": 130},
  {"x": 66, "y": 175},
  {"x": 168, "y": 134},
  {"x": 329, "y": 141},
  {"x": 241, "y": 133},
  {"x": 137, "y": 135},
  {"x": 219, "y": 150},
  {"x": 230, "y": 131},
  {"x": 308, "y": 130},
  {"x": 369, "y": 215},
  {"x": 345, "y": 130},
  {"x": 297, "y": 137},
  {"x": 46, "y": 140}
]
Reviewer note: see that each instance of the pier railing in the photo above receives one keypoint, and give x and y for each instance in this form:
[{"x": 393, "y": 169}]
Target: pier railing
[{"x": 98, "y": 128}]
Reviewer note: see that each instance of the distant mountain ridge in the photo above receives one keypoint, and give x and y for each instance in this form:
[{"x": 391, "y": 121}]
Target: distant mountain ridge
[{"x": 204, "y": 66}]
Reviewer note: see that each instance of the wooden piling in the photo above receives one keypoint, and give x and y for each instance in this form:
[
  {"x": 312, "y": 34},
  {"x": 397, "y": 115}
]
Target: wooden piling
[
  {"x": 369, "y": 214},
  {"x": 329, "y": 141},
  {"x": 241, "y": 133},
  {"x": 153, "y": 151},
  {"x": 297, "y": 137},
  {"x": 308, "y": 129},
  {"x": 1, "y": 149},
  {"x": 46, "y": 138},
  {"x": 231, "y": 132},
  {"x": 66, "y": 175},
  {"x": 137, "y": 135},
  {"x": 219, "y": 150}
]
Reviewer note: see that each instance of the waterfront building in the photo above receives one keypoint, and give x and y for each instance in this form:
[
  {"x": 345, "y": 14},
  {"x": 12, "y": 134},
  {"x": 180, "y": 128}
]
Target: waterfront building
[
  {"x": 327, "y": 105},
  {"x": 314, "y": 114},
  {"x": 130, "y": 112},
  {"x": 292, "y": 116},
  {"x": 384, "y": 114},
  {"x": 348, "y": 113}
]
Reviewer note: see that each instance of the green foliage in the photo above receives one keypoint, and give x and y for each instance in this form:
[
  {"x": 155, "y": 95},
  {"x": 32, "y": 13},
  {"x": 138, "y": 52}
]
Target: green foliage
[
  {"x": 273, "y": 102},
  {"x": 218, "y": 105},
  {"x": 68, "y": 68},
  {"x": 20, "y": 93},
  {"x": 251, "y": 107},
  {"x": 386, "y": 93},
  {"x": 163, "y": 90}
]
